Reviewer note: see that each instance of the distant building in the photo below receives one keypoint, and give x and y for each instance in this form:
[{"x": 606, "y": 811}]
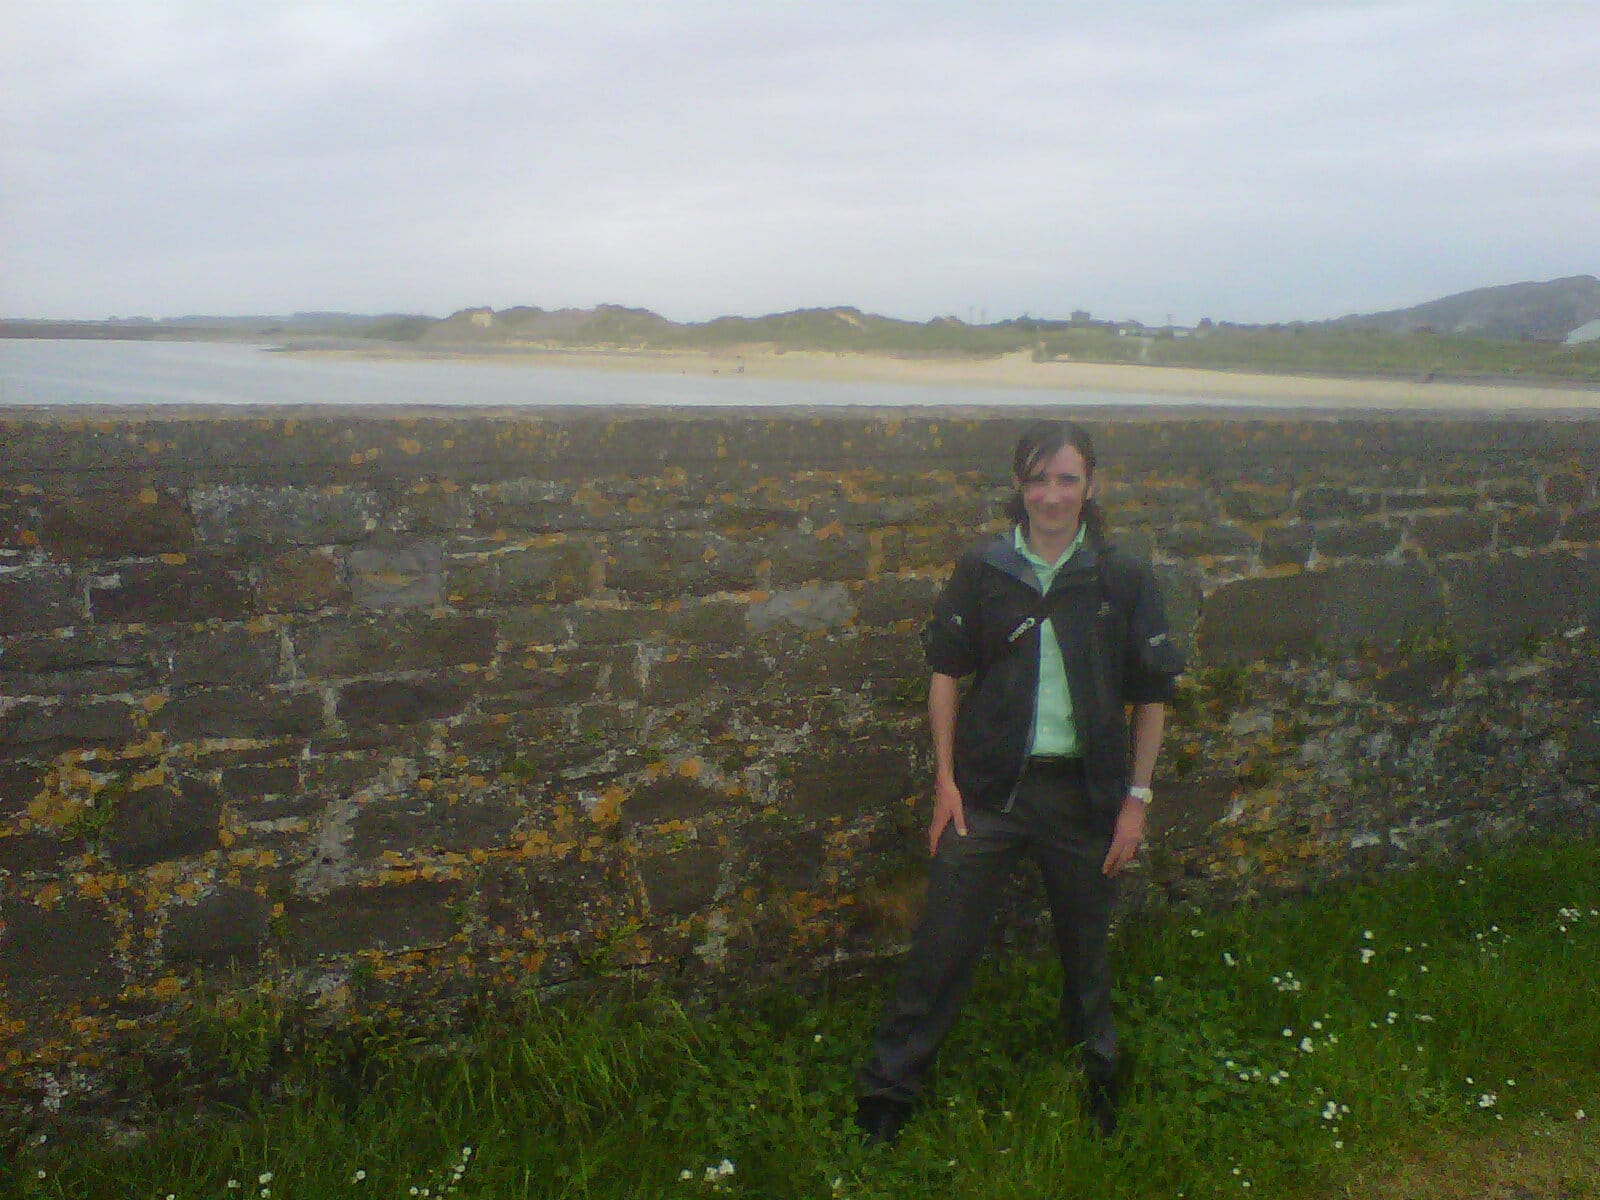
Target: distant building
[{"x": 1584, "y": 333}]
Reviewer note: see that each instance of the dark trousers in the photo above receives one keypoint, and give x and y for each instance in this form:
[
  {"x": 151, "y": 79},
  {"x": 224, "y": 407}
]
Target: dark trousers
[{"x": 1052, "y": 823}]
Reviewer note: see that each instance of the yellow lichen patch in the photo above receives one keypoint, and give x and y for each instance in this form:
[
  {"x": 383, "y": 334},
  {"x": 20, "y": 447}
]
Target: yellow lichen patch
[
  {"x": 174, "y": 560},
  {"x": 690, "y": 768},
  {"x": 411, "y": 445},
  {"x": 153, "y": 702},
  {"x": 144, "y": 749},
  {"x": 145, "y": 779},
  {"x": 167, "y": 987},
  {"x": 148, "y": 495},
  {"x": 608, "y": 807}
]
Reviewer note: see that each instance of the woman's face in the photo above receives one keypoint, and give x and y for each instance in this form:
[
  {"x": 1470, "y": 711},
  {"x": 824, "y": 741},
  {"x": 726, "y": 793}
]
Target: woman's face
[{"x": 1053, "y": 492}]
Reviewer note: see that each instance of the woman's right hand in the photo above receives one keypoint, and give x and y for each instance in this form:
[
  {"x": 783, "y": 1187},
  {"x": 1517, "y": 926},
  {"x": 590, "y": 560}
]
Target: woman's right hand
[{"x": 946, "y": 811}]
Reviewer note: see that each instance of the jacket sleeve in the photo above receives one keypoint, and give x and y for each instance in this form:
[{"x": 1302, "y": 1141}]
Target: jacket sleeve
[
  {"x": 951, "y": 638},
  {"x": 1152, "y": 662}
]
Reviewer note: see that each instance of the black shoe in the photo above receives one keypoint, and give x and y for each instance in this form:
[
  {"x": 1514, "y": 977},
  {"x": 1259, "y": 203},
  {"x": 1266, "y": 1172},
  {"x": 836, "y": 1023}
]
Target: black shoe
[
  {"x": 1100, "y": 1103},
  {"x": 880, "y": 1119}
]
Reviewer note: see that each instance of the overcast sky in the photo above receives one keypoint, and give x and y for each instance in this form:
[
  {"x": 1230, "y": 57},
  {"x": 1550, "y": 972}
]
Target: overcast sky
[{"x": 1240, "y": 160}]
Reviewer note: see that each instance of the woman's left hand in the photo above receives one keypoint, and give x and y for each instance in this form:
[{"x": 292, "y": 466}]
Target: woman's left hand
[{"x": 1125, "y": 841}]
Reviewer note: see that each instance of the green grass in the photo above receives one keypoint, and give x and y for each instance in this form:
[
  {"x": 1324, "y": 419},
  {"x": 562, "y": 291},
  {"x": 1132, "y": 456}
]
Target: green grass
[
  {"x": 1339, "y": 351},
  {"x": 1446, "y": 1014}
]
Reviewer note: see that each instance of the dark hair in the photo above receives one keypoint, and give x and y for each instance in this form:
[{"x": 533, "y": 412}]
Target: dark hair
[{"x": 1042, "y": 440}]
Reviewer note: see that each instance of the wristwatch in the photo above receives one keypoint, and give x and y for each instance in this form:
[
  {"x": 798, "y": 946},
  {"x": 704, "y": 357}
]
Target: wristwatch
[{"x": 1142, "y": 794}]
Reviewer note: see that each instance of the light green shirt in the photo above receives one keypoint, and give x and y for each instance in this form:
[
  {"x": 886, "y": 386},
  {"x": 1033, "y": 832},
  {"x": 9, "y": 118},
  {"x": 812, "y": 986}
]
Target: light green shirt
[{"x": 1054, "y": 730}]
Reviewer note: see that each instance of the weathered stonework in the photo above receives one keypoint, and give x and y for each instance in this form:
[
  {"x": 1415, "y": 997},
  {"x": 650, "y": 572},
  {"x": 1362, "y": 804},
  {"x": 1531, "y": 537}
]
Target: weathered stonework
[{"x": 485, "y": 701}]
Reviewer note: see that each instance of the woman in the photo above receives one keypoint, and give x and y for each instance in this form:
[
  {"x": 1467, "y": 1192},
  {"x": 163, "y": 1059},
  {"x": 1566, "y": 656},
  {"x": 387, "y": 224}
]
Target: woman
[{"x": 1060, "y": 632}]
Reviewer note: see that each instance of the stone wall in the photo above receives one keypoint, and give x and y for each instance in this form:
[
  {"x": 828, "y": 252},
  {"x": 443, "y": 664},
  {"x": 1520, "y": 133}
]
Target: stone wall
[{"x": 436, "y": 705}]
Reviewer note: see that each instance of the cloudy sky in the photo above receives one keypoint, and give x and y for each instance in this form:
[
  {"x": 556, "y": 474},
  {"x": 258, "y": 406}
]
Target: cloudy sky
[{"x": 1249, "y": 161}]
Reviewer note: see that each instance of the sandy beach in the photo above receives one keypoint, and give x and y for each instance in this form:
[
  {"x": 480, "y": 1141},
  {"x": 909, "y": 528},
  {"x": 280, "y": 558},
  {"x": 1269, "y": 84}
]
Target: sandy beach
[{"x": 1020, "y": 371}]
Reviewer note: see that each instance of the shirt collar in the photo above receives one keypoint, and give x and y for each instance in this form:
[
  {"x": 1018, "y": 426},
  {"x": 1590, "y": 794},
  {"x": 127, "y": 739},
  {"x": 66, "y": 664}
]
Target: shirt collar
[{"x": 1039, "y": 564}]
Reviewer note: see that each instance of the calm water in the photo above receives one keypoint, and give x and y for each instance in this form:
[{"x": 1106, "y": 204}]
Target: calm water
[{"x": 54, "y": 373}]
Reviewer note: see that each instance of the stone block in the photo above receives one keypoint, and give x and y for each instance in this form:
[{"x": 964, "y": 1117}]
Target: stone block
[
  {"x": 200, "y": 588},
  {"x": 681, "y": 677},
  {"x": 1453, "y": 533},
  {"x": 429, "y": 508},
  {"x": 25, "y": 854},
  {"x": 889, "y": 600},
  {"x": 42, "y": 728},
  {"x": 434, "y": 822},
  {"x": 812, "y": 609},
  {"x": 544, "y": 679},
  {"x": 33, "y": 598},
  {"x": 1510, "y": 492},
  {"x": 1433, "y": 498},
  {"x": 1186, "y": 812},
  {"x": 555, "y": 574},
  {"x": 20, "y": 784},
  {"x": 387, "y": 918},
  {"x": 88, "y": 661},
  {"x": 222, "y": 656},
  {"x": 923, "y": 549},
  {"x": 340, "y": 647},
  {"x": 228, "y": 926},
  {"x": 251, "y": 784},
  {"x": 788, "y": 862},
  {"x": 396, "y": 576},
  {"x": 1356, "y": 539},
  {"x": 1566, "y": 488},
  {"x": 302, "y": 581},
  {"x": 847, "y": 779},
  {"x": 1283, "y": 545},
  {"x": 668, "y": 565},
  {"x": 1416, "y": 681},
  {"x": 670, "y": 798},
  {"x": 708, "y": 624},
  {"x": 561, "y": 896},
  {"x": 802, "y": 557},
  {"x": 1260, "y": 618},
  {"x": 264, "y": 713},
  {"x": 1257, "y": 503},
  {"x": 157, "y": 824},
  {"x": 1528, "y": 527},
  {"x": 1377, "y": 604},
  {"x": 59, "y": 955},
  {"x": 243, "y": 515},
  {"x": 1501, "y": 602},
  {"x": 1207, "y": 541},
  {"x": 1582, "y": 526},
  {"x": 399, "y": 702},
  {"x": 1325, "y": 503},
  {"x": 849, "y": 662},
  {"x": 132, "y": 524},
  {"x": 537, "y": 625},
  {"x": 680, "y": 883}
]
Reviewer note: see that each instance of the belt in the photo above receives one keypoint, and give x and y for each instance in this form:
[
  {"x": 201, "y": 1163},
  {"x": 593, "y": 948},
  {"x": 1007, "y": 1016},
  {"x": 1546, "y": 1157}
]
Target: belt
[{"x": 1055, "y": 762}]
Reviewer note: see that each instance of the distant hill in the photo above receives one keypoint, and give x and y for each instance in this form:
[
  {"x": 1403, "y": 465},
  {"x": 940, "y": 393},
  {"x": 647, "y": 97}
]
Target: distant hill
[{"x": 1544, "y": 312}]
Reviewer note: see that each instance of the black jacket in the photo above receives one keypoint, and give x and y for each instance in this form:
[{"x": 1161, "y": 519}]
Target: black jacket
[{"x": 1108, "y": 618}]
